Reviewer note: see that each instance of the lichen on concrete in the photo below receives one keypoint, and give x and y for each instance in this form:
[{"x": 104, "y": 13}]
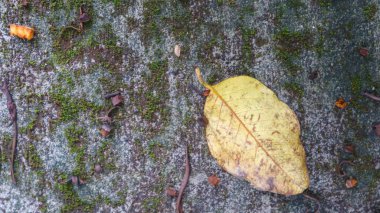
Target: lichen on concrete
[{"x": 305, "y": 51}]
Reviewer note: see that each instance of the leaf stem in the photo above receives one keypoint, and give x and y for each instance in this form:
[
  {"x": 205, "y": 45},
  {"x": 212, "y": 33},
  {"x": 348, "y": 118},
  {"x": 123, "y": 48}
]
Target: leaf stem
[{"x": 200, "y": 79}]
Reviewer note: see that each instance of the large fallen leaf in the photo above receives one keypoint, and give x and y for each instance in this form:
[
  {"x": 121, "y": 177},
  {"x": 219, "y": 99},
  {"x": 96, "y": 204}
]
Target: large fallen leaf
[{"x": 255, "y": 136}]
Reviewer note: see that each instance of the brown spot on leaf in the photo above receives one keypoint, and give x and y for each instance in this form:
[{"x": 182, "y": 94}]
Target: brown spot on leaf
[
  {"x": 294, "y": 129},
  {"x": 270, "y": 182},
  {"x": 206, "y": 92},
  {"x": 203, "y": 120},
  {"x": 240, "y": 173}
]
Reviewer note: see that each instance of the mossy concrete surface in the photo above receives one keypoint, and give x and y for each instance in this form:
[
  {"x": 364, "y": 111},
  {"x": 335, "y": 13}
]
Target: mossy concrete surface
[{"x": 307, "y": 52}]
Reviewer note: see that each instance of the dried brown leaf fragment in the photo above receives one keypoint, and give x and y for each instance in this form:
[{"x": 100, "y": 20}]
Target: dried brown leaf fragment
[
  {"x": 213, "y": 180},
  {"x": 170, "y": 191}
]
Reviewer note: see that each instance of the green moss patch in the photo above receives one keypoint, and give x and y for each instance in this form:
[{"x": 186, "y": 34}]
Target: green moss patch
[
  {"x": 289, "y": 46},
  {"x": 370, "y": 11}
]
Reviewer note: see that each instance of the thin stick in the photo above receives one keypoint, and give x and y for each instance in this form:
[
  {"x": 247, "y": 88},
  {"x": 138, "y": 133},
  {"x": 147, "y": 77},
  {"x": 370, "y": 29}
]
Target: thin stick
[
  {"x": 340, "y": 165},
  {"x": 183, "y": 184},
  {"x": 314, "y": 199},
  {"x": 110, "y": 95},
  {"x": 80, "y": 23},
  {"x": 373, "y": 97},
  {"x": 77, "y": 29},
  {"x": 13, "y": 115}
]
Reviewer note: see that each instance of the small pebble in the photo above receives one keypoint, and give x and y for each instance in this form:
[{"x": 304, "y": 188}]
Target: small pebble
[
  {"x": 177, "y": 50},
  {"x": 98, "y": 169}
]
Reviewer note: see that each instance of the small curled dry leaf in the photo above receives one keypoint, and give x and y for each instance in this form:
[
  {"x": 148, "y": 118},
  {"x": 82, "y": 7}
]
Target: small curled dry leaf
[
  {"x": 105, "y": 131},
  {"x": 339, "y": 167},
  {"x": 213, "y": 180},
  {"x": 24, "y": 3},
  {"x": 22, "y": 32},
  {"x": 340, "y": 103},
  {"x": 351, "y": 183},
  {"x": 84, "y": 17},
  {"x": 376, "y": 129},
  {"x": 81, "y": 181},
  {"x": 363, "y": 52},
  {"x": 170, "y": 191},
  {"x": 349, "y": 148},
  {"x": 177, "y": 50},
  {"x": 117, "y": 100}
]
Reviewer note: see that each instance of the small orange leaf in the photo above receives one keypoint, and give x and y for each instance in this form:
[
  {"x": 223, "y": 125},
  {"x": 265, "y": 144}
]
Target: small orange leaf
[
  {"x": 213, "y": 180},
  {"x": 22, "y": 32},
  {"x": 340, "y": 103},
  {"x": 351, "y": 183}
]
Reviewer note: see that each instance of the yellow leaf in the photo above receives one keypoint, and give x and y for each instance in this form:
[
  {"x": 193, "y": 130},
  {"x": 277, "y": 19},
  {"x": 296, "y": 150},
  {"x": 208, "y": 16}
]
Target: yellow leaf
[
  {"x": 255, "y": 136},
  {"x": 22, "y": 32}
]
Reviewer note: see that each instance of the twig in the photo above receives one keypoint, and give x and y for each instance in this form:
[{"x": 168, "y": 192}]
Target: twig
[
  {"x": 311, "y": 197},
  {"x": 13, "y": 116},
  {"x": 183, "y": 184},
  {"x": 110, "y": 95},
  {"x": 67, "y": 27},
  {"x": 339, "y": 167},
  {"x": 373, "y": 97},
  {"x": 80, "y": 14},
  {"x": 107, "y": 117}
]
